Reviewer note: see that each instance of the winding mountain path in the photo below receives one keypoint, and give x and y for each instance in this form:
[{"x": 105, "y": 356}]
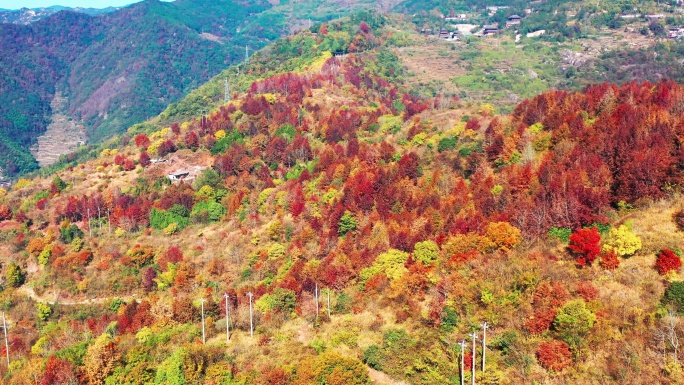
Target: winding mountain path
[{"x": 54, "y": 298}]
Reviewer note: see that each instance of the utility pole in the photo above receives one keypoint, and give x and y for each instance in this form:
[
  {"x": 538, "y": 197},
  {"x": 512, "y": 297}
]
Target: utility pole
[
  {"x": 474, "y": 335},
  {"x": 226, "y": 91},
  {"x": 204, "y": 122},
  {"x": 99, "y": 217},
  {"x": 328, "y": 303},
  {"x": 225, "y": 295},
  {"x": 204, "y": 339},
  {"x": 463, "y": 346},
  {"x": 246, "y": 54},
  {"x": 4, "y": 327},
  {"x": 251, "y": 322},
  {"x": 316, "y": 296},
  {"x": 484, "y": 343},
  {"x": 90, "y": 230},
  {"x": 109, "y": 222}
]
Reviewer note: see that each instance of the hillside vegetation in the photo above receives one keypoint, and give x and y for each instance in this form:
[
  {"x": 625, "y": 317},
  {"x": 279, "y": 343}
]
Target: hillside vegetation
[{"x": 370, "y": 227}]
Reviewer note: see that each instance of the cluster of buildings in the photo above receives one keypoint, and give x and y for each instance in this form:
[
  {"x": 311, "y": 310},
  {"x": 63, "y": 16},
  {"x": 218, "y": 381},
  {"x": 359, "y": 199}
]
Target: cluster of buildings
[{"x": 487, "y": 30}]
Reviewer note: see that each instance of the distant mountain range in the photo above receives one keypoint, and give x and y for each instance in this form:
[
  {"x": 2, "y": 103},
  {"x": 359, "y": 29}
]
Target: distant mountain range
[
  {"x": 118, "y": 67},
  {"x": 31, "y": 15}
]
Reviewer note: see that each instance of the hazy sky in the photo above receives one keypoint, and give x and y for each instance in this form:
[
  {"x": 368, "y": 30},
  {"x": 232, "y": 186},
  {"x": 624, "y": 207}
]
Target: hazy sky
[{"x": 14, "y": 4}]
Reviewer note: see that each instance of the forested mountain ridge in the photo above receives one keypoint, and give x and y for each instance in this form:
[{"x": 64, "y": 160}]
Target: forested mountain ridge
[
  {"x": 420, "y": 215},
  {"x": 119, "y": 68},
  {"x": 125, "y": 66},
  {"x": 28, "y": 16}
]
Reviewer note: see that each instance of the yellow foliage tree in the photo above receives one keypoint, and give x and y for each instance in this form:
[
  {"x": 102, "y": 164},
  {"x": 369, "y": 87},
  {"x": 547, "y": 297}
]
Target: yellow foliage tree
[
  {"x": 504, "y": 235},
  {"x": 100, "y": 359},
  {"x": 463, "y": 243},
  {"x": 622, "y": 241}
]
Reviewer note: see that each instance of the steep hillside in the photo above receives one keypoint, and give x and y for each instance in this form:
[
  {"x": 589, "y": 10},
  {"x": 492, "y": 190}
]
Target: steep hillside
[
  {"x": 368, "y": 229},
  {"x": 122, "y": 67}
]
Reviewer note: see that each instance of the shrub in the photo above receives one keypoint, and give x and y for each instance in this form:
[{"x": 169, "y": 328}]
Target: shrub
[
  {"x": 560, "y": 233},
  {"x": 171, "y": 229},
  {"x": 5, "y": 213},
  {"x": 678, "y": 219},
  {"x": 504, "y": 235},
  {"x": 609, "y": 260},
  {"x": 622, "y": 241},
  {"x": 668, "y": 261},
  {"x": 674, "y": 295},
  {"x": 347, "y": 223},
  {"x": 447, "y": 144},
  {"x": 276, "y": 251},
  {"x": 68, "y": 234},
  {"x": 372, "y": 357},
  {"x": 584, "y": 243},
  {"x": 573, "y": 322},
  {"x": 44, "y": 311},
  {"x": 15, "y": 276},
  {"x": 426, "y": 252},
  {"x": 554, "y": 355},
  {"x": 540, "y": 321}
]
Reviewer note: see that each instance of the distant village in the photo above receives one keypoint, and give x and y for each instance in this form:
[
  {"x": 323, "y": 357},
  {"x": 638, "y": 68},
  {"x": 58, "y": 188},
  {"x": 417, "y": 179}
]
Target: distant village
[{"x": 460, "y": 25}]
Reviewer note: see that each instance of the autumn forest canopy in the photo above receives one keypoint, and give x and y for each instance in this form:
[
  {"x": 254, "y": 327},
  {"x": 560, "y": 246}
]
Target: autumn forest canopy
[{"x": 369, "y": 225}]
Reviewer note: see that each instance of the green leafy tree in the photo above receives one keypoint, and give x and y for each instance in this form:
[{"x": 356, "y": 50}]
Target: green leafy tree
[
  {"x": 59, "y": 184},
  {"x": 15, "y": 276},
  {"x": 170, "y": 372},
  {"x": 573, "y": 322},
  {"x": 347, "y": 223},
  {"x": 44, "y": 311},
  {"x": 674, "y": 295},
  {"x": 426, "y": 252},
  {"x": 208, "y": 177}
]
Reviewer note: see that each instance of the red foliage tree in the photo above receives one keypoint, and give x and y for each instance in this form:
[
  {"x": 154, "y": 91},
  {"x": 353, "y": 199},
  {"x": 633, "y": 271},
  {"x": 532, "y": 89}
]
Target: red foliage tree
[
  {"x": 128, "y": 165},
  {"x": 167, "y": 147},
  {"x": 5, "y": 213},
  {"x": 584, "y": 244},
  {"x": 554, "y": 355},
  {"x": 540, "y": 321},
  {"x": 668, "y": 261},
  {"x": 144, "y": 159},
  {"x": 142, "y": 141},
  {"x": 587, "y": 291},
  {"x": 119, "y": 159},
  {"x": 473, "y": 124},
  {"x": 192, "y": 140},
  {"x": 408, "y": 166},
  {"x": 58, "y": 372},
  {"x": 609, "y": 260}
]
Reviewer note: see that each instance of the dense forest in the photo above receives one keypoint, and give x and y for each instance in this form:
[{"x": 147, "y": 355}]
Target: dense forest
[{"x": 369, "y": 230}]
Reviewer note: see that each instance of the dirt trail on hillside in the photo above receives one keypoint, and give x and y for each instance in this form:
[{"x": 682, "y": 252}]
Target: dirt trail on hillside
[
  {"x": 380, "y": 378},
  {"x": 54, "y": 298}
]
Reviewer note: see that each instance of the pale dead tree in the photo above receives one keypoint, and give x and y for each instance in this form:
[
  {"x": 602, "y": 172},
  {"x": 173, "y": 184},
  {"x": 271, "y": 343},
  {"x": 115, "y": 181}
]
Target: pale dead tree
[{"x": 670, "y": 331}]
